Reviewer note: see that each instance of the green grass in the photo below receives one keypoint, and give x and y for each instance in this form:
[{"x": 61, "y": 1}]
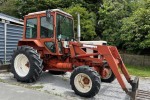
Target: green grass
[
  {"x": 139, "y": 71},
  {"x": 36, "y": 87}
]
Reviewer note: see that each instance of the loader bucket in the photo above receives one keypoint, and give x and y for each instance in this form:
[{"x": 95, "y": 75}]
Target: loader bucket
[
  {"x": 136, "y": 94},
  {"x": 133, "y": 92}
]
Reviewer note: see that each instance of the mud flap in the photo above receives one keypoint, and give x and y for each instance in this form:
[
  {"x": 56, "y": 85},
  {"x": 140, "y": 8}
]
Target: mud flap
[{"x": 134, "y": 84}]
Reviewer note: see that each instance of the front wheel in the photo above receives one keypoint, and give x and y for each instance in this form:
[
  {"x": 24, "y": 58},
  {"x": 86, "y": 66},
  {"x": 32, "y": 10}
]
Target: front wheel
[
  {"x": 109, "y": 75},
  {"x": 85, "y": 81}
]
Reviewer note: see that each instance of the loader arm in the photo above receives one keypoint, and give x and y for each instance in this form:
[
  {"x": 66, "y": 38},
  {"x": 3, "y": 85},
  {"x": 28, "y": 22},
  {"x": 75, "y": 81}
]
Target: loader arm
[
  {"x": 112, "y": 56},
  {"x": 114, "y": 60}
]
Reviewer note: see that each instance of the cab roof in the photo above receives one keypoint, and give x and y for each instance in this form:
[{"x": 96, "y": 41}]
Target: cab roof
[{"x": 52, "y": 10}]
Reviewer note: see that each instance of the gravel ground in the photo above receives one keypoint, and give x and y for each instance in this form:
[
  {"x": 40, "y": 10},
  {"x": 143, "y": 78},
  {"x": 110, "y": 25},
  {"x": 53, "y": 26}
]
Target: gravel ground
[{"x": 59, "y": 85}]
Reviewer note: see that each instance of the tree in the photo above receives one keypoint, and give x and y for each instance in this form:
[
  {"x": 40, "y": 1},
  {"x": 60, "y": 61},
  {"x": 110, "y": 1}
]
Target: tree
[
  {"x": 71, "y": 6},
  {"x": 123, "y": 23},
  {"x": 87, "y": 21},
  {"x": 8, "y": 7},
  {"x": 92, "y": 6},
  {"x": 136, "y": 29},
  {"x": 110, "y": 16},
  {"x": 27, "y": 6}
]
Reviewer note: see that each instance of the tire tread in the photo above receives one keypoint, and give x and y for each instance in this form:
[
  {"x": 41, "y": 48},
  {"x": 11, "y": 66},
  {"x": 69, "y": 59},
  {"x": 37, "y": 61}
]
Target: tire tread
[
  {"x": 36, "y": 64},
  {"x": 95, "y": 77}
]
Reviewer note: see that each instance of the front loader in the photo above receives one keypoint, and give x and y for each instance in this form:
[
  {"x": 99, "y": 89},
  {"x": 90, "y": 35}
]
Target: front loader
[{"x": 48, "y": 44}]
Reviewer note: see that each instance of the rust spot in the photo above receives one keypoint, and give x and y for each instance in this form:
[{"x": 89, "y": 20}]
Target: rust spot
[
  {"x": 105, "y": 72},
  {"x": 86, "y": 80},
  {"x": 27, "y": 64}
]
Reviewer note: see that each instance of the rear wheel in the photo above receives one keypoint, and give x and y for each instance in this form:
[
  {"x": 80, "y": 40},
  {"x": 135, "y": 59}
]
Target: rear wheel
[
  {"x": 56, "y": 72},
  {"x": 85, "y": 81},
  {"x": 26, "y": 64}
]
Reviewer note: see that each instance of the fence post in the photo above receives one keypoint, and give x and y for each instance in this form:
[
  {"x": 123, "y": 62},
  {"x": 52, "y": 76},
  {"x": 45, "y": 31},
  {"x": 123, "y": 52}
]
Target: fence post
[{"x": 143, "y": 60}]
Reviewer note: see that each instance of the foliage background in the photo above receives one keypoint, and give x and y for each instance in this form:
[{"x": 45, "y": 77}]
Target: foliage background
[{"x": 123, "y": 23}]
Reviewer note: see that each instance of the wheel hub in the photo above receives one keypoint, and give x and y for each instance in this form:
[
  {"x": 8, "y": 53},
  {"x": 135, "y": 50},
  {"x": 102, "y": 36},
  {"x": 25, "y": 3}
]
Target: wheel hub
[
  {"x": 106, "y": 73},
  {"x": 86, "y": 80}
]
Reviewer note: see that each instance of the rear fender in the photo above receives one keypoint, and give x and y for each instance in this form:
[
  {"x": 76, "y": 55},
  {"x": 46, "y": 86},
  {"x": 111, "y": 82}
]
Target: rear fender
[
  {"x": 36, "y": 44},
  {"x": 32, "y": 43}
]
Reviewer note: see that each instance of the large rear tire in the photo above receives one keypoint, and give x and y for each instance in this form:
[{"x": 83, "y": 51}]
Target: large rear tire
[
  {"x": 26, "y": 64},
  {"x": 85, "y": 81}
]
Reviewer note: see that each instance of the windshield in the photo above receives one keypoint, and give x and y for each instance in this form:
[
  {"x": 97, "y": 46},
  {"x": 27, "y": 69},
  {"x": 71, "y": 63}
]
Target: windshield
[{"x": 64, "y": 27}]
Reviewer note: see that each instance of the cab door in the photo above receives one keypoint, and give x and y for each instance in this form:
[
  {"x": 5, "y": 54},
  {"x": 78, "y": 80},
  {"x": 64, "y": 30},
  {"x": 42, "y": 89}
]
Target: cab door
[{"x": 47, "y": 36}]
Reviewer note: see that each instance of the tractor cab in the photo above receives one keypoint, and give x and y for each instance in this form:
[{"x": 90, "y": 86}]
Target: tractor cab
[{"x": 49, "y": 28}]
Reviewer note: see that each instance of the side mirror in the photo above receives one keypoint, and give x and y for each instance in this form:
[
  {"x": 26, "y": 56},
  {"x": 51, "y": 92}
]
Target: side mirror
[{"x": 48, "y": 15}]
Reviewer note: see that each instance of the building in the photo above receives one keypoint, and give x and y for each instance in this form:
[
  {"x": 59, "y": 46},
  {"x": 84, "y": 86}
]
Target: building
[{"x": 11, "y": 30}]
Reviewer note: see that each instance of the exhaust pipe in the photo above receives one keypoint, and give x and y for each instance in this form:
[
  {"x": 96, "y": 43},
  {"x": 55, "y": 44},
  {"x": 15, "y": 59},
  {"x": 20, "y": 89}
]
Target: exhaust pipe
[{"x": 79, "y": 30}]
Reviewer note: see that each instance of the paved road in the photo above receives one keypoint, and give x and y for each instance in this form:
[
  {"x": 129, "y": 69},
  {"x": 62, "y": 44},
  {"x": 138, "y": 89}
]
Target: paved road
[
  {"x": 12, "y": 92},
  {"x": 59, "y": 85}
]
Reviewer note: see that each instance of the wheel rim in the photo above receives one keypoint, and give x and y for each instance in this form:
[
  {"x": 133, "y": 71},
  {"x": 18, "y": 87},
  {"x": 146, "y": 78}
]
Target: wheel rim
[
  {"x": 21, "y": 65},
  {"x": 83, "y": 83},
  {"x": 108, "y": 73}
]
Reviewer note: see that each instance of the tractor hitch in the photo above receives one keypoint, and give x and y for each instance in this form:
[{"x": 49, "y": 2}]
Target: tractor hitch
[{"x": 133, "y": 92}]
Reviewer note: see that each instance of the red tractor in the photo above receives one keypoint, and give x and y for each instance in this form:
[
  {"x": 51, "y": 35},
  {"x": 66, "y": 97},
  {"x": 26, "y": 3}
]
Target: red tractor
[{"x": 48, "y": 44}]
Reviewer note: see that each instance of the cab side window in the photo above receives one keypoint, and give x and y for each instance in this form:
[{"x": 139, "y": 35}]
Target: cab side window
[
  {"x": 31, "y": 28},
  {"x": 46, "y": 28}
]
